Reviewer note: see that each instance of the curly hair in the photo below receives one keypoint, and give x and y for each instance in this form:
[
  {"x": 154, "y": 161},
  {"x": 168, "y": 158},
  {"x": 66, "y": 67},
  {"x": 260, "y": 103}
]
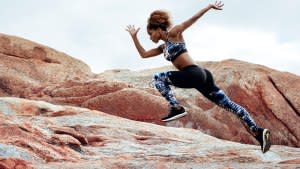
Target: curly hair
[{"x": 159, "y": 19}]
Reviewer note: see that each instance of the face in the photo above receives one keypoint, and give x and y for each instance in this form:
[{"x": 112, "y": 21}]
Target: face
[{"x": 155, "y": 35}]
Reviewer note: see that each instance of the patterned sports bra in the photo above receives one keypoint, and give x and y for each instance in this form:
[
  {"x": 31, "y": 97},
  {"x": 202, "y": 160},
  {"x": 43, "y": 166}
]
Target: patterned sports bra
[{"x": 172, "y": 50}]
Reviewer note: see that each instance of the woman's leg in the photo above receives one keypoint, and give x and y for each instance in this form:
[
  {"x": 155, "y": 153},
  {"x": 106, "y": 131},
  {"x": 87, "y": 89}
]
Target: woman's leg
[
  {"x": 213, "y": 93},
  {"x": 224, "y": 101},
  {"x": 216, "y": 95},
  {"x": 183, "y": 79},
  {"x": 162, "y": 84}
]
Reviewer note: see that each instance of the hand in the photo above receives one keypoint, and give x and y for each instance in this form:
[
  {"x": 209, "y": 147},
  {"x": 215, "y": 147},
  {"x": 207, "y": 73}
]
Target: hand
[
  {"x": 131, "y": 29},
  {"x": 218, "y": 5}
]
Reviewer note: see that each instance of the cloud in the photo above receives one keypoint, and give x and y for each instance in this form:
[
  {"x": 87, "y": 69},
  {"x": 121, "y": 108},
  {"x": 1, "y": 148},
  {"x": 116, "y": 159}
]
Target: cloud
[
  {"x": 93, "y": 31},
  {"x": 214, "y": 42}
]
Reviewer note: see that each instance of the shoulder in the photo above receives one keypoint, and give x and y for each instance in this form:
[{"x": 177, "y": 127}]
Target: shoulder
[
  {"x": 176, "y": 30},
  {"x": 176, "y": 33}
]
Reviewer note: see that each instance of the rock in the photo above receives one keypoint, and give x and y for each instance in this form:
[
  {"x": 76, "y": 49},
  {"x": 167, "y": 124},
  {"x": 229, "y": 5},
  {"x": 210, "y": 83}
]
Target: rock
[
  {"x": 64, "y": 139},
  {"x": 36, "y": 72},
  {"x": 9, "y": 163},
  {"x": 264, "y": 92},
  {"x": 25, "y": 64},
  {"x": 130, "y": 103},
  {"x": 72, "y": 132},
  {"x": 113, "y": 142}
]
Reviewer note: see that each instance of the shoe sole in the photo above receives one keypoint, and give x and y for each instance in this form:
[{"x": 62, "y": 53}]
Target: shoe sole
[
  {"x": 175, "y": 117},
  {"x": 266, "y": 140}
]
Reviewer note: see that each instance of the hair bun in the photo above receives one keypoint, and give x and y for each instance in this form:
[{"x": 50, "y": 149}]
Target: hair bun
[{"x": 159, "y": 17}]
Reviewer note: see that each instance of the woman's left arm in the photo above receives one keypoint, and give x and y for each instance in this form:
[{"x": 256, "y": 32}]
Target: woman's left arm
[{"x": 186, "y": 24}]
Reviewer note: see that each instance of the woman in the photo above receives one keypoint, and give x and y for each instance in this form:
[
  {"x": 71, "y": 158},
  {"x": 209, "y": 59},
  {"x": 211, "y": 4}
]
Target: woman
[{"x": 189, "y": 75}]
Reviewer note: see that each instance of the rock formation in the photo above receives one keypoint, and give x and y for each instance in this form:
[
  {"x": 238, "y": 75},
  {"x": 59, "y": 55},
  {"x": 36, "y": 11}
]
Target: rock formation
[
  {"x": 37, "y": 134},
  {"x": 35, "y": 72},
  {"x": 272, "y": 98}
]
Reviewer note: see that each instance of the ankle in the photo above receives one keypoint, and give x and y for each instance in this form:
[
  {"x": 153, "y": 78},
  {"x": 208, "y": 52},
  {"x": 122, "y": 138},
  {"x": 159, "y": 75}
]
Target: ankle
[
  {"x": 258, "y": 131},
  {"x": 177, "y": 107}
]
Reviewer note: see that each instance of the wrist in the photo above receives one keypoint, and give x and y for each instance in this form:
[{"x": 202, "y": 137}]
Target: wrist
[
  {"x": 209, "y": 6},
  {"x": 134, "y": 36}
]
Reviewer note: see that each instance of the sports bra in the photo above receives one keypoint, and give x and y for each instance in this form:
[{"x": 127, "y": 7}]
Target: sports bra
[{"x": 172, "y": 50}]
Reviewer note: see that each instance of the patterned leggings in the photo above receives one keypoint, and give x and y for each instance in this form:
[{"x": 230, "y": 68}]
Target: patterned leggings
[{"x": 201, "y": 79}]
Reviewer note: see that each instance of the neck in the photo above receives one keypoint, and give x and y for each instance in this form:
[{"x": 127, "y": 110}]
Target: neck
[{"x": 164, "y": 35}]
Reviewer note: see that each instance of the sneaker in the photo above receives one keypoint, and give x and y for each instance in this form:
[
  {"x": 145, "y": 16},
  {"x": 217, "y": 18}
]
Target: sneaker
[
  {"x": 263, "y": 137},
  {"x": 175, "y": 113}
]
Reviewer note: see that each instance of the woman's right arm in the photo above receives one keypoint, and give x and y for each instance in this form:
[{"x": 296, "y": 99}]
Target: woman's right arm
[
  {"x": 143, "y": 53},
  {"x": 186, "y": 24}
]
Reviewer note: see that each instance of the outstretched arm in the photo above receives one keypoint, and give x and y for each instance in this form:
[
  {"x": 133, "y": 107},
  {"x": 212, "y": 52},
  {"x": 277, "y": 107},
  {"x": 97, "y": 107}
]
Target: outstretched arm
[
  {"x": 186, "y": 24},
  {"x": 143, "y": 53}
]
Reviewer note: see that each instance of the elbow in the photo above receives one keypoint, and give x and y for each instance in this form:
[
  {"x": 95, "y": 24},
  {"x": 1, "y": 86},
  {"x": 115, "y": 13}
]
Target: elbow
[{"x": 143, "y": 55}]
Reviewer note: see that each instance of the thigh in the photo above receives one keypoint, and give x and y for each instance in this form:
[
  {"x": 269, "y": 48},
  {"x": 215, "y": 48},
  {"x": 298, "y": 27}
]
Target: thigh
[
  {"x": 209, "y": 86},
  {"x": 190, "y": 77}
]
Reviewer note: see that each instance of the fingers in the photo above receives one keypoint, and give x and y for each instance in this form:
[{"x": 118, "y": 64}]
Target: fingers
[
  {"x": 127, "y": 29},
  {"x": 219, "y": 4},
  {"x": 130, "y": 28}
]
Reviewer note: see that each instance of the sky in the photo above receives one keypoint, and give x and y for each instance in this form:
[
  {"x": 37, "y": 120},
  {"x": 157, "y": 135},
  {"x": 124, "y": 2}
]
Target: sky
[{"x": 263, "y": 32}]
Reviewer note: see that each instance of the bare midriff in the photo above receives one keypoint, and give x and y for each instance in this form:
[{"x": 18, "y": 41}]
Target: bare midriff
[{"x": 183, "y": 61}]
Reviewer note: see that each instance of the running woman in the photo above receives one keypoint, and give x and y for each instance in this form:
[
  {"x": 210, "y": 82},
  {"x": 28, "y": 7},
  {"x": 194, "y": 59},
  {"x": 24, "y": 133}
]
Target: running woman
[{"x": 189, "y": 74}]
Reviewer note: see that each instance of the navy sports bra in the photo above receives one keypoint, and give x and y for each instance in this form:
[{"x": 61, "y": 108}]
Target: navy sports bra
[{"x": 173, "y": 49}]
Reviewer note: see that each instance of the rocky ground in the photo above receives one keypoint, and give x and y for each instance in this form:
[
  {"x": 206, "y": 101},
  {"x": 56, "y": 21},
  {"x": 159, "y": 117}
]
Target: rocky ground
[
  {"x": 69, "y": 117},
  {"x": 38, "y": 134}
]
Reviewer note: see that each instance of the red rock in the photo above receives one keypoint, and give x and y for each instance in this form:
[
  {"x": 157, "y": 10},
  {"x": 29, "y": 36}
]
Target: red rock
[
  {"x": 72, "y": 132},
  {"x": 33, "y": 71},
  {"x": 64, "y": 139},
  {"x": 294, "y": 161},
  {"x": 25, "y": 63},
  {"x": 62, "y": 113},
  {"x": 264, "y": 92},
  {"x": 115, "y": 142},
  {"x": 130, "y": 103},
  {"x": 10, "y": 163}
]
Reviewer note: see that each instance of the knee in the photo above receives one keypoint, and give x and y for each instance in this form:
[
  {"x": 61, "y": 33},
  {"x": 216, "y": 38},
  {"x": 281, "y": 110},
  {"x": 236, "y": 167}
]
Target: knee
[
  {"x": 219, "y": 97},
  {"x": 161, "y": 77}
]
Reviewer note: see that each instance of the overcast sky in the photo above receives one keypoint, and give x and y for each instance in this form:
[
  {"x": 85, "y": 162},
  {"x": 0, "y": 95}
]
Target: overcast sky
[{"x": 265, "y": 32}]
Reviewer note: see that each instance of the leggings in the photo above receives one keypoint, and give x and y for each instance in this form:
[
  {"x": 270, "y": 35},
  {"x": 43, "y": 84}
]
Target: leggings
[{"x": 194, "y": 76}]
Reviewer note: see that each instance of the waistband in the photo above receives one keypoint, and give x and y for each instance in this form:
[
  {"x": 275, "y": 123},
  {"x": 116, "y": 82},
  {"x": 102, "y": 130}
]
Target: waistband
[{"x": 190, "y": 66}]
